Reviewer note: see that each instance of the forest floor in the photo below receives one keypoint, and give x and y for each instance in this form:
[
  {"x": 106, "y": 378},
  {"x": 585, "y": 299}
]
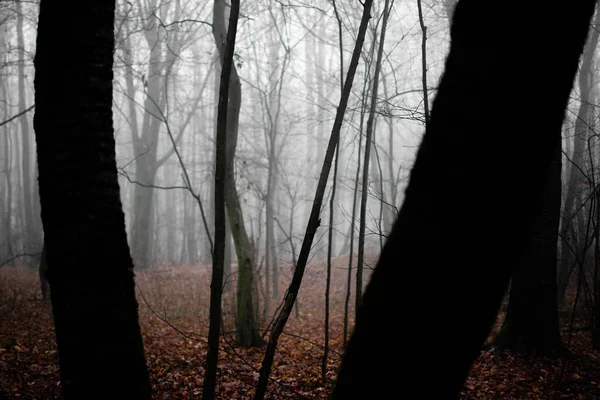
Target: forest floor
[{"x": 174, "y": 315}]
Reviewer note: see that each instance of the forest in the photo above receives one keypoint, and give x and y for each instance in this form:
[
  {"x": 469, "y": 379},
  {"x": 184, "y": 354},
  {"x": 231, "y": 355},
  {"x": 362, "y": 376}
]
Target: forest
[{"x": 227, "y": 199}]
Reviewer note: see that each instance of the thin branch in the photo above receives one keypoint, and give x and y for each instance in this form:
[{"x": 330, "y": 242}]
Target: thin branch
[
  {"x": 19, "y": 256},
  {"x": 25, "y": 111}
]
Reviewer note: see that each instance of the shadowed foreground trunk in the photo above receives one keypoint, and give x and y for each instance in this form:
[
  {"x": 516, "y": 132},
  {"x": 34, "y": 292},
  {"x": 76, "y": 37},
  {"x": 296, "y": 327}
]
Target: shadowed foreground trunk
[
  {"x": 90, "y": 270},
  {"x": 531, "y": 323},
  {"x": 474, "y": 193}
]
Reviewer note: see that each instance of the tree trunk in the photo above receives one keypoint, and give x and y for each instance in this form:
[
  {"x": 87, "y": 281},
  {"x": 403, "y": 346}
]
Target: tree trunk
[
  {"x": 7, "y": 251},
  {"x": 313, "y": 221},
  {"x": 43, "y": 274},
  {"x": 90, "y": 269},
  {"x": 365, "y": 91},
  {"x": 531, "y": 322},
  {"x": 325, "y": 359},
  {"x": 471, "y": 202},
  {"x": 365, "y": 177},
  {"x": 216, "y": 285},
  {"x": 246, "y": 326}
]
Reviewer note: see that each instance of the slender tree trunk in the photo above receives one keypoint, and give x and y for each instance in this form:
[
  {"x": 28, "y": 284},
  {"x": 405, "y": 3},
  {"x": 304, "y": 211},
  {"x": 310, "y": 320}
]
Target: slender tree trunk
[
  {"x": 324, "y": 361},
  {"x": 596, "y": 274},
  {"x": 270, "y": 216},
  {"x": 143, "y": 227},
  {"x": 90, "y": 269},
  {"x": 246, "y": 325},
  {"x": 314, "y": 221},
  {"x": 457, "y": 252},
  {"x": 393, "y": 195},
  {"x": 273, "y": 106},
  {"x": 424, "y": 62},
  {"x": 365, "y": 94},
  {"x": 8, "y": 187},
  {"x": 216, "y": 285},
  {"x": 365, "y": 178}
]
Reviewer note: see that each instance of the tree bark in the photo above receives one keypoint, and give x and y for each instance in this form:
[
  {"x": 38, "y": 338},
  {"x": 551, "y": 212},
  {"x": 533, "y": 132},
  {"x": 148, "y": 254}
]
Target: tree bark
[
  {"x": 471, "y": 202},
  {"x": 531, "y": 322},
  {"x": 216, "y": 285},
  {"x": 247, "y": 334},
  {"x": 90, "y": 269},
  {"x": 314, "y": 221}
]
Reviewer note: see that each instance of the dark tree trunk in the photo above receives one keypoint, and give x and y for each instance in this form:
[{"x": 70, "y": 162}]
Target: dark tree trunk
[
  {"x": 369, "y": 140},
  {"x": 89, "y": 266},
  {"x": 474, "y": 193},
  {"x": 43, "y": 274},
  {"x": 531, "y": 323},
  {"x": 216, "y": 284},
  {"x": 313, "y": 221},
  {"x": 247, "y": 334}
]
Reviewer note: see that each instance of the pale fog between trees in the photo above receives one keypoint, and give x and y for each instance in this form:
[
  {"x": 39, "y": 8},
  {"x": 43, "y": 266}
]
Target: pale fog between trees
[
  {"x": 291, "y": 58},
  {"x": 165, "y": 99}
]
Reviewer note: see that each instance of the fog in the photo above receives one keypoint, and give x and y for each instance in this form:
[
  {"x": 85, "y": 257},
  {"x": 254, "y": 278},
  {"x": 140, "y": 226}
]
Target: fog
[{"x": 166, "y": 79}]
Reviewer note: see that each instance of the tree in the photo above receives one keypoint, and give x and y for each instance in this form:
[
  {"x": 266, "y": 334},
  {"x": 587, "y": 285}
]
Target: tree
[
  {"x": 531, "y": 322},
  {"x": 324, "y": 360},
  {"x": 216, "y": 285},
  {"x": 314, "y": 221},
  {"x": 247, "y": 334},
  {"x": 471, "y": 202},
  {"x": 90, "y": 269},
  {"x": 368, "y": 141}
]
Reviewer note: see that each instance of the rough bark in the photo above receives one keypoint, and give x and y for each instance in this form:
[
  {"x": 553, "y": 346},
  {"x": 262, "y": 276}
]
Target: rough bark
[
  {"x": 247, "y": 334},
  {"x": 90, "y": 269},
  {"x": 531, "y": 322},
  {"x": 472, "y": 199}
]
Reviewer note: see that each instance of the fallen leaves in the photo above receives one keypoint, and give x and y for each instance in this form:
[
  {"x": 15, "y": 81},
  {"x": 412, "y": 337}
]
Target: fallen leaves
[{"x": 176, "y": 354}]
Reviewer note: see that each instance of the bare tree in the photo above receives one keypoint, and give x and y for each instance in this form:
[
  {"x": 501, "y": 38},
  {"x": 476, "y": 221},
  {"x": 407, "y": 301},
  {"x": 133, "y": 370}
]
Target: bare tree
[
  {"x": 90, "y": 269},
  {"x": 216, "y": 285},
  {"x": 365, "y": 177},
  {"x": 314, "y": 220},
  {"x": 246, "y": 325},
  {"x": 456, "y": 252}
]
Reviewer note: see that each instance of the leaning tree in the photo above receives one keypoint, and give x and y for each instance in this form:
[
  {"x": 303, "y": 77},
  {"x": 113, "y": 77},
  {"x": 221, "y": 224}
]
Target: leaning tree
[{"x": 474, "y": 193}]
